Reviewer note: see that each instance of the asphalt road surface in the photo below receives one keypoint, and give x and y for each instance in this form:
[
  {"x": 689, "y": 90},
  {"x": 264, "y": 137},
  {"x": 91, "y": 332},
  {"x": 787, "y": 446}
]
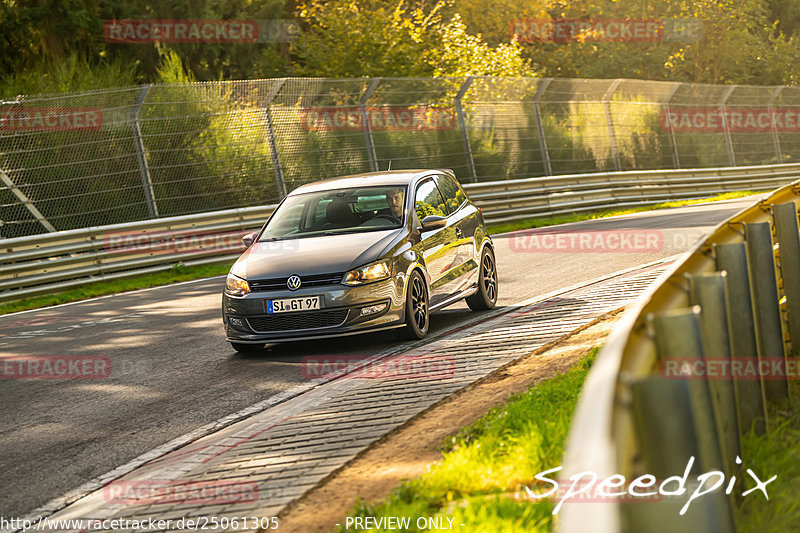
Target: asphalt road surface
[{"x": 173, "y": 372}]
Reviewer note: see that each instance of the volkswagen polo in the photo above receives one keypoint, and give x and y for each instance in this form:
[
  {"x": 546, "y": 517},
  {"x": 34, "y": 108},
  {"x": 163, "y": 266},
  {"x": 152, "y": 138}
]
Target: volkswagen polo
[{"x": 358, "y": 254}]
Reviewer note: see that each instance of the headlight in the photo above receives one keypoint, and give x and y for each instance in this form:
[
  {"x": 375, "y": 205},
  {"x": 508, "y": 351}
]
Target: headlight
[
  {"x": 368, "y": 274},
  {"x": 236, "y": 286}
]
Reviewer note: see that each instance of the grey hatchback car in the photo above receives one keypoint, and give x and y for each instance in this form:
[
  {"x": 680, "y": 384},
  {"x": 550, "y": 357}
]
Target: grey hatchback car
[{"x": 357, "y": 254}]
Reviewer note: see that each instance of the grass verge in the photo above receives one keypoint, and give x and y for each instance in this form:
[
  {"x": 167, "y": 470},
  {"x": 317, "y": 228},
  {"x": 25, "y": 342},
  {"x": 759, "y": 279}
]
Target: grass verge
[
  {"x": 775, "y": 452},
  {"x": 488, "y": 462},
  {"x": 181, "y": 273},
  {"x": 90, "y": 290}
]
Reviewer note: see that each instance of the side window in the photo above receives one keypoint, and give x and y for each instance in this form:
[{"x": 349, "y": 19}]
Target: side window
[
  {"x": 453, "y": 195},
  {"x": 428, "y": 200}
]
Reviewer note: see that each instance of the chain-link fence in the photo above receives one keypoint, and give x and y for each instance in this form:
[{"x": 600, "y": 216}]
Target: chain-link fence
[{"x": 118, "y": 155}]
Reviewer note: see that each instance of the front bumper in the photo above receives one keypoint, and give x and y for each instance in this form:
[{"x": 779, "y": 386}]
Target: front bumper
[{"x": 340, "y": 313}]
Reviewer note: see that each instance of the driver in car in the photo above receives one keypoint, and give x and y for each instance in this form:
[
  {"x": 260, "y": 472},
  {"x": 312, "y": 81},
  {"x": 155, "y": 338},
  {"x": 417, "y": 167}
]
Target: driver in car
[{"x": 394, "y": 197}]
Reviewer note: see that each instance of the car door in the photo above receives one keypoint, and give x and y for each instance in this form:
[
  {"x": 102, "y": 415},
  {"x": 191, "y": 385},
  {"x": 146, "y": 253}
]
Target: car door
[
  {"x": 462, "y": 216},
  {"x": 437, "y": 246}
]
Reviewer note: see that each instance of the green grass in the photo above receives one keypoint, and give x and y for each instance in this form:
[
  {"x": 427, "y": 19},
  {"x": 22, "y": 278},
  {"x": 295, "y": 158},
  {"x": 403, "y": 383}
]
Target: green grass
[
  {"x": 102, "y": 288},
  {"x": 490, "y": 460},
  {"x": 776, "y": 452},
  {"x": 592, "y": 215},
  {"x": 93, "y": 289}
]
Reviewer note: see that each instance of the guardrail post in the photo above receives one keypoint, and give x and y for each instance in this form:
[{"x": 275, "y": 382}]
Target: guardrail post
[
  {"x": 751, "y": 405},
  {"x": 775, "y": 138},
  {"x": 725, "y": 126},
  {"x": 670, "y": 437},
  {"x": 769, "y": 331},
  {"x": 537, "y": 115},
  {"x": 362, "y": 104},
  {"x": 273, "y": 143},
  {"x": 612, "y": 136},
  {"x": 710, "y": 293},
  {"x": 678, "y": 335},
  {"x": 788, "y": 233},
  {"x": 462, "y": 124},
  {"x": 675, "y": 155},
  {"x": 147, "y": 183}
]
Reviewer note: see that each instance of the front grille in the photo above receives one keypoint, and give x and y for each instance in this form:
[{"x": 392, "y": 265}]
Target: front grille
[
  {"x": 297, "y": 321},
  {"x": 279, "y": 284}
]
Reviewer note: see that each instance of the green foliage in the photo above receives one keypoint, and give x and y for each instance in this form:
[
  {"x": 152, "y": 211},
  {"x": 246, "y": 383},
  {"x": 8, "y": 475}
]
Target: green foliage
[
  {"x": 776, "y": 452},
  {"x": 742, "y": 41},
  {"x": 67, "y": 74},
  {"x": 45, "y": 33},
  {"x": 354, "y": 38}
]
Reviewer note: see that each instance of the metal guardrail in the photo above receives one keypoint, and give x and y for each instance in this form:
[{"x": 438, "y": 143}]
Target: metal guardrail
[
  {"x": 506, "y": 201},
  {"x": 666, "y": 386},
  {"x": 41, "y": 264}
]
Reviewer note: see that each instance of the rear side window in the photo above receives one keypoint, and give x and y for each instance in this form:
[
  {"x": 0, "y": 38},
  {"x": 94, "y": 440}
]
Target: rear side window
[
  {"x": 428, "y": 200},
  {"x": 453, "y": 194}
]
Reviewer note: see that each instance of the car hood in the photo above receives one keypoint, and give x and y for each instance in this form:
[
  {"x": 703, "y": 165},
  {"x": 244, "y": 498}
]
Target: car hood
[{"x": 312, "y": 255}]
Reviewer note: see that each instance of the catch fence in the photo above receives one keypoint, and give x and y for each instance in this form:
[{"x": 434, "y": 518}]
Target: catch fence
[{"x": 112, "y": 156}]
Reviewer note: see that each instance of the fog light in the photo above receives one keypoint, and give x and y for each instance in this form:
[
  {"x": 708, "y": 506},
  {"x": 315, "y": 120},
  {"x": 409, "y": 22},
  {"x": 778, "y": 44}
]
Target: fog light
[
  {"x": 372, "y": 309},
  {"x": 238, "y": 322}
]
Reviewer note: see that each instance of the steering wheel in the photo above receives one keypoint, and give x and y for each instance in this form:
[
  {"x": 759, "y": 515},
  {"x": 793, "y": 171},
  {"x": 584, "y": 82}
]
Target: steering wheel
[{"x": 390, "y": 218}]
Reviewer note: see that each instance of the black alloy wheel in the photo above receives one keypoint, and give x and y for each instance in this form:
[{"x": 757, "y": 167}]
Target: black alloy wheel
[{"x": 486, "y": 297}]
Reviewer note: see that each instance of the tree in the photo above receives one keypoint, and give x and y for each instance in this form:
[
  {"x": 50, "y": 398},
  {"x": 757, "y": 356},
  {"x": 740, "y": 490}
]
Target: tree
[{"x": 355, "y": 38}]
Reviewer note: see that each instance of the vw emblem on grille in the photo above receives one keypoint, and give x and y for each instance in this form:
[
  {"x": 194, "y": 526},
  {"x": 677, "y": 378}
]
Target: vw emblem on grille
[{"x": 293, "y": 283}]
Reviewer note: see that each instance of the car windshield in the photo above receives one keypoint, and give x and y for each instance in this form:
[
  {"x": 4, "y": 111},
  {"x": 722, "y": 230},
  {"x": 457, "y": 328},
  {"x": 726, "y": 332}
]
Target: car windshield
[{"x": 337, "y": 211}]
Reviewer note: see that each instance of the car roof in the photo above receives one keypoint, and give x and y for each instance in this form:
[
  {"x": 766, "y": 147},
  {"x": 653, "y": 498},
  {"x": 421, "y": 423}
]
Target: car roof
[{"x": 387, "y": 177}]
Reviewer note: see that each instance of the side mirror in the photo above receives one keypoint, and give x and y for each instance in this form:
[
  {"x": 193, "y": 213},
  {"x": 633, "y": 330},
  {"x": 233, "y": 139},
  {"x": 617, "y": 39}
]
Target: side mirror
[
  {"x": 433, "y": 222},
  {"x": 249, "y": 238}
]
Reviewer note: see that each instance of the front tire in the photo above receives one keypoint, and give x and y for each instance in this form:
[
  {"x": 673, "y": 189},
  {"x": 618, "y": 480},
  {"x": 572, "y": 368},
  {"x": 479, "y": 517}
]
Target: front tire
[
  {"x": 246, "y": 348},
  {"x": 417, "y": 310},
  {"x": 486, "y": 297}
]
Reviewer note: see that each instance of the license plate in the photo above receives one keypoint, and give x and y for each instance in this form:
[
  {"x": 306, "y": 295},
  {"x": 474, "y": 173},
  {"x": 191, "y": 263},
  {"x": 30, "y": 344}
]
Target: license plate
[{"x": 288, "y": 305}]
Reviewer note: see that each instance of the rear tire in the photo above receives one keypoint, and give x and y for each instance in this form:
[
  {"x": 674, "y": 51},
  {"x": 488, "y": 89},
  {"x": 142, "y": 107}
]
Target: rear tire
[
  {"x": 486, "y": 297},
  {"x": 417, "y": 311},
  {"x": 246, "y": 348}
]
